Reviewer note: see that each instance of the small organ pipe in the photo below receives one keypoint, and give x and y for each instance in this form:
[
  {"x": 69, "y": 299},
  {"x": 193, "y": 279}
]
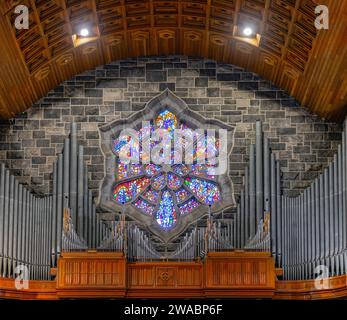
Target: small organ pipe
[
  {"x": 273, "y": 210},
  {"x": 247, "y": 213},
  {"x": 6, "y": 221},
  {"x": 80, "y": 192},
  {"x": 267, "y": 175},
  {"x": 278, "y": 206},
  {"x": 86, "y": 221},
  {"x": 2, "y": 214},
  {"x": 53, "y": 220},
  {"x": 259, "y": 172},
  {"x": 59, "y": 202},
  {"x": 73, "y": 174},
  {"x": 252, "y": 203}
]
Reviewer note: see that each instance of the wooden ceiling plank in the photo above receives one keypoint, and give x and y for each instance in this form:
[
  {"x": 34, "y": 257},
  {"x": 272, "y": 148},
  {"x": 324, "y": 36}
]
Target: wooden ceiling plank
[{"x": 317, "y": 72}]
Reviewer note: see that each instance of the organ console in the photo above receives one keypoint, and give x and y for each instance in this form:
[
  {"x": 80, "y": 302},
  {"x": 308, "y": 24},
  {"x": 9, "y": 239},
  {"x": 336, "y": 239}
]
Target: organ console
[{"x": 301, "y": 233}]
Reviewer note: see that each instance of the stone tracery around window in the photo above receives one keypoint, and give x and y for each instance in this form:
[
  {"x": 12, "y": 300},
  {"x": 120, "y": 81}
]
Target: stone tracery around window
[
  {"x": 163, "y": 191},
  {"x": 165, "y": 198}
]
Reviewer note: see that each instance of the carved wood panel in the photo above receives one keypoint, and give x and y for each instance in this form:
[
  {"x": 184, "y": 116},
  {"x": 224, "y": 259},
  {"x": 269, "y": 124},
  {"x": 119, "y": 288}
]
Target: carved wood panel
[
  {"x": 240, "y": 269},
  {"x": 165, "y": 275},
  {"x": 91, "y": 270}
]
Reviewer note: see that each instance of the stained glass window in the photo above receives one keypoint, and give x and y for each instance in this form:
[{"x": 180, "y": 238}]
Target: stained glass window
[{"x": 163, "y": 191}]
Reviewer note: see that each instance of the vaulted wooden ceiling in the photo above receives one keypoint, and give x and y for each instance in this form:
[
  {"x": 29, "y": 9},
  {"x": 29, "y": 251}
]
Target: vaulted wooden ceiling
[{"x": 310, "y": 64}]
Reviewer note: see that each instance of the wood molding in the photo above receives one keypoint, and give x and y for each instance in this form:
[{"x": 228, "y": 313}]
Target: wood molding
[
  {"x": 38, "y": 290},
  {"x": 331, "y": 288},
  {"x": 236, "y": 274}
]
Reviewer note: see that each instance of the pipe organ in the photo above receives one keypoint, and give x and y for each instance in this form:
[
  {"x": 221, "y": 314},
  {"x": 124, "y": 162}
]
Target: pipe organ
[
  {"x": 25, "y": 229},
  {"x": 32, "y": 231},
  {"x": 302, "y": 233},
  {"x": 314, "y": 224}
]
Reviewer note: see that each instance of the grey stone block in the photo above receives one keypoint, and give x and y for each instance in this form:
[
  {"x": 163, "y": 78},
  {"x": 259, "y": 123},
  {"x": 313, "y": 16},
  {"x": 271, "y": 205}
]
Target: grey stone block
[
  {"x": 228, "y": 76},
  {"x": 131, "y": 72},
  {"x": 207, "y": 72},
  {"x": 111, "y": 83},
  {"x": 93, "y": 93},
  {"x": 165, "y": 85},
  {"x": 156, "y": 76},
  {"x": 201, "y": 82}
]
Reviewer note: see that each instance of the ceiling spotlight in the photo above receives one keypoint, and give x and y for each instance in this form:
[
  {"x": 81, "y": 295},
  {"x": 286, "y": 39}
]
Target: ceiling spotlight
[
  {"x": 247, "y": 31},
  {"x": 84, "y": 32}
]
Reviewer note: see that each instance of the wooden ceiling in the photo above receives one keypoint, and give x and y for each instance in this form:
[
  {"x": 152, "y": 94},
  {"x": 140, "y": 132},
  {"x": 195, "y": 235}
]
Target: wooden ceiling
[{"x": 310, "y": 64}]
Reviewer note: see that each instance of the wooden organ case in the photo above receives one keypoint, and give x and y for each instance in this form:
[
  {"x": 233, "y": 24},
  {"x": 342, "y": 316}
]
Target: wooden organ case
[{"x": 222, "y": 274}]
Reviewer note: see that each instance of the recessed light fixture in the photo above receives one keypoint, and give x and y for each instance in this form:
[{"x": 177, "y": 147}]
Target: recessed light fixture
[
  {"x": 84, "y": 32},
  {"x": 247, "y": 31}
]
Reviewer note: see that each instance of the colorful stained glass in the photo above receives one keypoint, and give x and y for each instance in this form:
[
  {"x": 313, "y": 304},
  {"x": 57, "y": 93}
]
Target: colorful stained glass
[
  {"x": 207, "y": 146},
  {"x": 145, "y": 131},
  {"x": 122, "y": 170},
  {"x": 133, "y": 149},
  {"x": 159, "y": 182},
  {"x": 205, "y": 191},
  {"x": 128, "y": 191},
  {"x": 151, "y": 195},
  {"x": 181, "y": 195},
  {"x": 135, "y": 169},
  {"x": 166, "y": 216},
  {"x": 163, "y": 184},
  {"x": 119, "y": 143},
  {"x": 152, "y": 169},
  {"x": 180, "y": 169},
  {"x": 201, "y": 170},
  {"x": 166, "y": 120},
  {"x": 173, "y": 181},
  {"x": 144, "y": 206},
  {"x": 189, "y": 206}
]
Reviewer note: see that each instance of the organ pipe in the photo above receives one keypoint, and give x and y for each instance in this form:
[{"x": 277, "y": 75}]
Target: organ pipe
[
  {"x": 31, "y": 227},
  {"x": 321, "y": 222},
  {"x": 259, "y": 172},
  {"x": 302, "y": 232}
]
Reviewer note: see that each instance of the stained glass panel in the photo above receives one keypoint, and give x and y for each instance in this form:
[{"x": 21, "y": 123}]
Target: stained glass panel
[
  {"x": 201, "y": 170},
  {"x": 180, "y": 169},
  {"x": 173, "y": 181},
  {"x": 122, "y": 170},
  {"x": 152, "y": 169},
  {"x": 135, "y": 169},
  {"x": 205, "y": 191},
  {"x": 166, "y": 120},
  {"x": 181, "y": 195},
  {"x": 189, "y": 206},
  {"x": 159, "y": 182},
  {"x": 128, "y": 191},
  {"x": 166, "y": 215},
  {"x": 144, "y": 206},
  {"x": 126, "y": 146},
  {"x": 158, "y": 190},
  {"x": 151, "y": 195}
]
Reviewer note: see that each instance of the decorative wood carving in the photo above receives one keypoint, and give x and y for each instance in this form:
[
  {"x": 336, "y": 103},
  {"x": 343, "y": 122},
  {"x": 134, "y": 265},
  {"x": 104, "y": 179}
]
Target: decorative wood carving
[
  {"x": 82, "y": 272},
  {"x": 223, "y": 274},
  {"x": 249, "y": 273}
]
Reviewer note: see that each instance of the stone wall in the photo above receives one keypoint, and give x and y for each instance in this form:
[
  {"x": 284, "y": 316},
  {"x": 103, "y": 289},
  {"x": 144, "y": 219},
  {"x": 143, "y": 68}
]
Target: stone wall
[{"x": 303, "y": 142}]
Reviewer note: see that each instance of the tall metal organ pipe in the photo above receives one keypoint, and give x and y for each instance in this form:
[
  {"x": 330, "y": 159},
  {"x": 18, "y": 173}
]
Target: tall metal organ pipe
[
  {"x": 305, "y": 231},
  {"x": 321, "y": 220},
  {"x": 31, "y": 227},
  {"x": 261, "y": 194}
]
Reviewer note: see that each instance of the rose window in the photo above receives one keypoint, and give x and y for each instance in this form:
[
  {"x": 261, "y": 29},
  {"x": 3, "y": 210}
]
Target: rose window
[{"x": 164, "y": 190}]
